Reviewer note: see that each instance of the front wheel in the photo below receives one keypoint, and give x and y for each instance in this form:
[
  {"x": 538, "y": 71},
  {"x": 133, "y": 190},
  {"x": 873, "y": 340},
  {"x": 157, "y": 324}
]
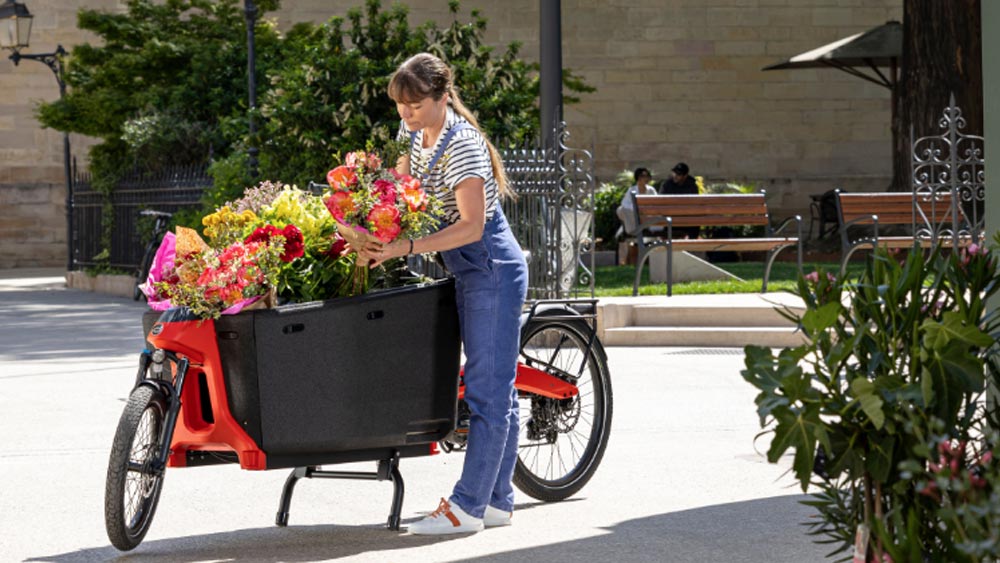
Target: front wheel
[
  {"x": 134, "y": 481},
  {"x": 562, "y": 441}
]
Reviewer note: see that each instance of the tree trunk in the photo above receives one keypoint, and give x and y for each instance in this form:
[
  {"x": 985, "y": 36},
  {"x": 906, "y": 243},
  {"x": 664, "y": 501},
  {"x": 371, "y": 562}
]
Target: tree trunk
[{"x": 942, "y": 55}]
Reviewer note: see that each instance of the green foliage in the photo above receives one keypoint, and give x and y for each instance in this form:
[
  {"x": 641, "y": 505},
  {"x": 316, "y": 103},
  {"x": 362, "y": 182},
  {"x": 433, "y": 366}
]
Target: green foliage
[
  {"x": 165, "y": 76},
  {"x": 607, "y": 198},
  {"x": 893, "y": 363},
  {"x": 331, "y": 97}
]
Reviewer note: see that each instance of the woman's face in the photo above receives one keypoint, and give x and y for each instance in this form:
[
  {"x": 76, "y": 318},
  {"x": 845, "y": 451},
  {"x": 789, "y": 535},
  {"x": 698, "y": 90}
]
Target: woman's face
[{"x": 423, "y": 113}]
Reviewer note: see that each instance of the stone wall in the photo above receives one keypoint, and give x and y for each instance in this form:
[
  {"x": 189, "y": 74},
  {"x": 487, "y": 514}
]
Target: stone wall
[
  {"x": 32, "y": 225},
  {"x": 676, "y": 80}
]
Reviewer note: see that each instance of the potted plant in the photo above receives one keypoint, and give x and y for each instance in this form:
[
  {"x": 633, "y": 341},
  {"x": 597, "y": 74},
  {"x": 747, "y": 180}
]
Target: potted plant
[{"x": 884, "y": 406}]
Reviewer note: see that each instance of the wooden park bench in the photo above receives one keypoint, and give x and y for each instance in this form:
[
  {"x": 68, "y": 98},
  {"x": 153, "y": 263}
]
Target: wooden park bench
[
  {"x": 925, "y": 217},
  {"x": 658, "y": 215}
]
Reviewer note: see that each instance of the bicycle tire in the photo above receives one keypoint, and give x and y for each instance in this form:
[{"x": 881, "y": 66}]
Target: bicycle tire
[
  {"x": 132, "y": 489},
  {"x": 557, "y": 345}
]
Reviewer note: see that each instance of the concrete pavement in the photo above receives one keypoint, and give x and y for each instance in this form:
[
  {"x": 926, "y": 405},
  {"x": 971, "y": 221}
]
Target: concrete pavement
[{"x": 682, "y": 479}]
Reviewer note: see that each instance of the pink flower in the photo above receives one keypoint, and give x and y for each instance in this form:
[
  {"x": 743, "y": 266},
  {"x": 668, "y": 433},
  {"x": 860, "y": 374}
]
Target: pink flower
[
  {"x": 341, "y": 205},
  {"x": 812, "y": 277},
  {"x": 386, "y": 191},
  {"x": 384, "y": 220},
  {"x": 369, "y": 161}
]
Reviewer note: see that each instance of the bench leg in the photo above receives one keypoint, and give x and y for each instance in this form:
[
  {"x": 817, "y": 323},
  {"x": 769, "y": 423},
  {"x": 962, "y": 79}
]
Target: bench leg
[
  {"x": 670, "y": 271},
  {"x": 639, "y": 259}
]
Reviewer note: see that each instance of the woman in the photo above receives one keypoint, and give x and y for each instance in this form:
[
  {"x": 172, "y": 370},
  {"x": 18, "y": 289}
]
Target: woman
[
  {"x": 626, "y": 210},
  {"x": 456, "y": 163}
]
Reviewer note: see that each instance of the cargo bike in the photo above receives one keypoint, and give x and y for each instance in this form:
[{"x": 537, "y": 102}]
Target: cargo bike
[{"x": 369, "y": 378}]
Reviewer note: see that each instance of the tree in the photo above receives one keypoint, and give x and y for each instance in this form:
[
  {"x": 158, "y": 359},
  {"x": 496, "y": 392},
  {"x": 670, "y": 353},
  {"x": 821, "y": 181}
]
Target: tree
[
  {"x": 942, "y": 55},
  {"x": 161, "y": 86},
  {"x": 332, "y": 99}
]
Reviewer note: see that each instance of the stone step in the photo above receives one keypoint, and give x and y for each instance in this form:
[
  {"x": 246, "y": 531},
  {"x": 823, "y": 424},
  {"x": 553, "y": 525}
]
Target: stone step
[
  {"x": 698, "y": 320},
  {"x": 716, "y": 336},
  {"x": 706, "y": 315}
]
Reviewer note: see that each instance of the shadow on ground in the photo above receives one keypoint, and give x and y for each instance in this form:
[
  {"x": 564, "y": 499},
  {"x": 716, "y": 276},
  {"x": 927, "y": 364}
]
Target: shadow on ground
[
  {"x": 768, "y": 529},
  {"x": 33, "y": 325}
]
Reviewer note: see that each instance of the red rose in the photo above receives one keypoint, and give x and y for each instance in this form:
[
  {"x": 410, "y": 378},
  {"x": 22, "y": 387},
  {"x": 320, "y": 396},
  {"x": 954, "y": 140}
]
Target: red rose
[
  {"x": 338, "y": 247},
  {"x": 294, "y": 246},
  {"x": 263, "y": 234}
]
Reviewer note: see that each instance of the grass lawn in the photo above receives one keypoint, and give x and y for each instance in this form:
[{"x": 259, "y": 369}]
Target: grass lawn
[{"x": 615, "y": 281}]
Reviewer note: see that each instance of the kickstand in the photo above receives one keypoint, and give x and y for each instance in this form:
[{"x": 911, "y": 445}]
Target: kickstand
[{"x": 387, "y": 469}]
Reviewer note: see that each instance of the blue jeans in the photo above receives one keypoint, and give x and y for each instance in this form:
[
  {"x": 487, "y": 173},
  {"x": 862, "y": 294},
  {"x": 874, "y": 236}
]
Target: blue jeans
[{"x": 491, "y": 280}]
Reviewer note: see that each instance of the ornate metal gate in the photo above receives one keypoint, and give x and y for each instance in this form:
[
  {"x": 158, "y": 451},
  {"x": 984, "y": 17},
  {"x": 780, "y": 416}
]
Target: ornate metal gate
[
  {"x": 949, "y": 169},
  {"x": 553, "y": 216}
]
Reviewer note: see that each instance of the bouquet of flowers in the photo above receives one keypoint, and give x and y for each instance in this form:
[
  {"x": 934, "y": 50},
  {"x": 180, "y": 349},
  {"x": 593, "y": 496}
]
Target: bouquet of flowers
[
  {"x": 371, "y": 202},
  {"x": 280, "y": 242},
  {"x": 212, "y": 282}
]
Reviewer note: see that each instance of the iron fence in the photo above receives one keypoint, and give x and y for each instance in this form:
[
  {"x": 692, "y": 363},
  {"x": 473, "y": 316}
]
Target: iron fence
[
  {"x": 552, "y": 215},
  {"x": 168, "y": 190}
]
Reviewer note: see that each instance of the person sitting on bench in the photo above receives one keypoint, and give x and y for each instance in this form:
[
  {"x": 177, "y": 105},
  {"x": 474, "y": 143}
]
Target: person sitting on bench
[
  {"x": 680, "y": 183},
  {"x": 626, "y": 211}
]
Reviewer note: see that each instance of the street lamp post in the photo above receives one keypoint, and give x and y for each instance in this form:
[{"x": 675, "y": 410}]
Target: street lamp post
[
  {"x": 250, "y": 12},
  {"x": 15, "y": 31}
]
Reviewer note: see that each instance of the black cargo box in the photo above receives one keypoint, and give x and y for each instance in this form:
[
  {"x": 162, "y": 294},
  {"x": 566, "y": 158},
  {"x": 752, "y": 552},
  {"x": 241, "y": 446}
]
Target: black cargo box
[{"x": 343, "y": 379}]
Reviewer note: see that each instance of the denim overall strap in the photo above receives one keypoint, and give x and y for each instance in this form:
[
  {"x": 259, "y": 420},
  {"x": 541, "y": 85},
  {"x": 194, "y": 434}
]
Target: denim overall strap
[{"x": 460, "y": 126}]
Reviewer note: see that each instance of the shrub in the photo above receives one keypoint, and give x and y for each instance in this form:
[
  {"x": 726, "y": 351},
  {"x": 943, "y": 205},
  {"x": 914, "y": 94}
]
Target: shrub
[{"x": 892, "y": 372}]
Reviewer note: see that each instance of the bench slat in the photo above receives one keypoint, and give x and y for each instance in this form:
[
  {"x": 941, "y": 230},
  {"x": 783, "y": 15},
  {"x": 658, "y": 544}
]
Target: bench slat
[
  {"x": 707, "y": 221},
  {"x": 696, "y": 210}
]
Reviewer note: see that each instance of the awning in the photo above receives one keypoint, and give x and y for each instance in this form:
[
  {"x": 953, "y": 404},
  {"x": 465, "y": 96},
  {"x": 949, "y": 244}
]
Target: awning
[{"x": 878, "y": 47}]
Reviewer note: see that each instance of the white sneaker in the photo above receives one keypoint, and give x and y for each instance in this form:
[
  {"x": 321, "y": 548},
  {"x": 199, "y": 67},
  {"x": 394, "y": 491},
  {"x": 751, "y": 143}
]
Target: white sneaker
[
  {"x": 447, "y": 519},
  {"x": 494, "y": 517}
]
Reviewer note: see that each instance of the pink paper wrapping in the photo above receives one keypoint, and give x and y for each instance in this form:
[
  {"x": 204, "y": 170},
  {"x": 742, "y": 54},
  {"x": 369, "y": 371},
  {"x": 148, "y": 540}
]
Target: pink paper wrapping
[{"x": 163, "y": 261}]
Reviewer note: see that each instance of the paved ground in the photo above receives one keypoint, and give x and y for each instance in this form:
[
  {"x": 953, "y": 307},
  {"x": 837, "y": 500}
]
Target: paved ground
[{"x": 681, "y": 480}]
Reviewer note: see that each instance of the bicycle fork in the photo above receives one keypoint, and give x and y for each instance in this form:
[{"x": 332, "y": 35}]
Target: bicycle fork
[{"x": 172, "y": 391}]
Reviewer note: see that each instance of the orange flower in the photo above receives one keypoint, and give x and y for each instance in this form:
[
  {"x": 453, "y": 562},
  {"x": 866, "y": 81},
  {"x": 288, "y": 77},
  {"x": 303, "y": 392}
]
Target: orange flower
[
  {"x": 340, "y": 205},
  {"x": 415, "y": 197},
  {"x": 341, "y": 177},
  {"x": 384, "y": 220}
]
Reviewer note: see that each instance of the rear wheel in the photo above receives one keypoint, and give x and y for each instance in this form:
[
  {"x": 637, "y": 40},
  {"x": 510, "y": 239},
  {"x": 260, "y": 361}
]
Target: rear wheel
[
  {"x": 562, "y": 441},
  {"x": 133, "y": 484}
]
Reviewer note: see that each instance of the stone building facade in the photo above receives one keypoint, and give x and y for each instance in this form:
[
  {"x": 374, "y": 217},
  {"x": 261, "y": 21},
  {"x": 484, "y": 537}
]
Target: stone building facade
[{"x": 677, "y": 80}]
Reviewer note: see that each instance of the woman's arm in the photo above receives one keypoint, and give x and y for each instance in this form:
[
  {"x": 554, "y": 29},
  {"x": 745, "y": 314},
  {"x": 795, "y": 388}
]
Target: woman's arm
[
  {"x": 470, "y": 198},
  {"x": 403, "y": 164}
]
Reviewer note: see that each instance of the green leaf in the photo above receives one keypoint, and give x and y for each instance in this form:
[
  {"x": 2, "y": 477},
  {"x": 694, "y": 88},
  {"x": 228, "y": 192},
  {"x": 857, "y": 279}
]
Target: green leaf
[
  {"x": 879, "y": 461},
  {"x": 871, "y": 403},
  {"x": 953, "y": 329},
  {"x": 798, "y": 431},
  {"x": 818, "y": 320}
]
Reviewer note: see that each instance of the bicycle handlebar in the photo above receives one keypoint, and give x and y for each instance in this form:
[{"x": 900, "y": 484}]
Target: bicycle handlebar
[{"x": 154, "y": 213}]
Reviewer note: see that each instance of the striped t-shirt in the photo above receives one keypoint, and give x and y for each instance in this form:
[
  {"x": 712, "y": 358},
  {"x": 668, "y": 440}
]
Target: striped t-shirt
[{"x": 467, "y": 155}]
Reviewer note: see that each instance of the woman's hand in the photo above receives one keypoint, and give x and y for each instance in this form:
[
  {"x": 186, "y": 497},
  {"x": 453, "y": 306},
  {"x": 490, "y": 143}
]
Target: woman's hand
[{"x": 374, "y": 253}]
